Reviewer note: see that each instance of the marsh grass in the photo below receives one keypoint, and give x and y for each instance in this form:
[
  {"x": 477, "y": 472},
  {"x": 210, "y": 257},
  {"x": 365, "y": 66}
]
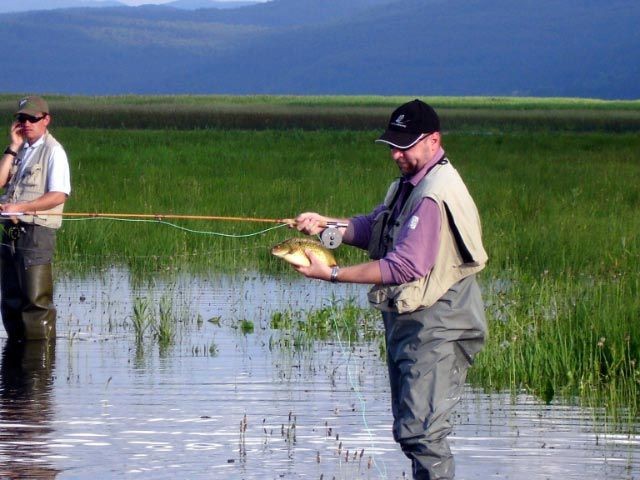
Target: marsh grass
[
  {"x": 187, "y": 112},
  {"x": 248, "y": 174},
  {"x": 559, "y": 215},
  {"x": 561, "y": 224},
  {"x": 246, "y": 326},
  {"x": 160, "y": 319},
  {"x": 564, "y": 338},
  {"x": 164, "y": 328},
  {"x": 142, "y": 318},
  {"x": 559, "y": 210},
  {"x": 341, "y": 321}
]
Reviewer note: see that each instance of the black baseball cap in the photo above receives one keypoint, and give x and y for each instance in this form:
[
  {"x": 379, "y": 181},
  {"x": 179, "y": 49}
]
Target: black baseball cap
[{"x": 408, "y": 123}]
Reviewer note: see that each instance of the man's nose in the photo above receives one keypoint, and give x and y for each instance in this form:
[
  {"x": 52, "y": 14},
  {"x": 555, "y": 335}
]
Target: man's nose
[{"x": 396, "y": 153}]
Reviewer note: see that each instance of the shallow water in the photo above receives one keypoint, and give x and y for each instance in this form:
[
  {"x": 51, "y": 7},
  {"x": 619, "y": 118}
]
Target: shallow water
[{"x": 222, "y": 404}]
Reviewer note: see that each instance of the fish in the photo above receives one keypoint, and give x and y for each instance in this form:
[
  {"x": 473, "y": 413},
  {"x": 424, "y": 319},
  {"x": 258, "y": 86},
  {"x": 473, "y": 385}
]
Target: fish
[{"x": 292, "y": 251}]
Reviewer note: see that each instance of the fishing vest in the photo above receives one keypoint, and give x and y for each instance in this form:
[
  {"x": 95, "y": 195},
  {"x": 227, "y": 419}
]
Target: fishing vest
[
  {"x": 460, "y": 253},
  {"x": 31, "y": 183}
]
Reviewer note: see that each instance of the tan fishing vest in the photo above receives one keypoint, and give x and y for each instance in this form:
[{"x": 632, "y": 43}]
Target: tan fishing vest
[
  {"x": 32, "y": 182},
  {"x": 460, "y": 253}
]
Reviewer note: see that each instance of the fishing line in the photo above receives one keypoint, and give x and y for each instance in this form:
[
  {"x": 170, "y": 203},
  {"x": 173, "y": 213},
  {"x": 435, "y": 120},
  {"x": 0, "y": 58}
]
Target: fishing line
[
  {"x": 179, "y": 227},
  {"x": 331, "y": 237},
  {"x": 157, "y": 219},
  {"x": 363, "y": 407}
]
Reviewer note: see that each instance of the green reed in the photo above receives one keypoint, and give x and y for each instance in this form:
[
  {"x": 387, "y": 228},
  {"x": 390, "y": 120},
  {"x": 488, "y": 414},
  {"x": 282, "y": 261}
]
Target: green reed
[
  {"x": 561, "y": 227},
  {"x": 164, "y": 328},
  {"x": 142, "y": 318},
  {"x": 160, "y": 319}
]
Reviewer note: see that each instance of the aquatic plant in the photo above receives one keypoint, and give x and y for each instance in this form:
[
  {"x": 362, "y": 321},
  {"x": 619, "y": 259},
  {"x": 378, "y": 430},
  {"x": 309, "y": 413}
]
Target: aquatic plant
[
  {"x": 142, "y": 318},
  {"x": 341, "y": 320},
  {"x": 242, "y": 443},
  {"x": 164, "y": 328},
  {"x": 160, "y": 320},
  {"x": 246, "y": 326}
]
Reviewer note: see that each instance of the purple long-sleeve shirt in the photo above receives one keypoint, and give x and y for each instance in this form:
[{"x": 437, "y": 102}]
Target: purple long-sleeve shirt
[{"x": 418, "y": 240}]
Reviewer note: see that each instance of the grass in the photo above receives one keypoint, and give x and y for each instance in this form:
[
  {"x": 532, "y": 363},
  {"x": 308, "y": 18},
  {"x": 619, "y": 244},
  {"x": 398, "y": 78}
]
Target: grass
[
  {"x": 548, "y": 202},
  {"x": 567, "y": 338},
  {"x": 187, "y": 112},
  {"x": 247, "y": 174},
  {"x": 142, "y": 318},
  {"x": 559, "y": 214},
  {"x": 555, "y": 181},
  {"x": 161, "y": 319},
  {"x": 342, "y": 321},
  {"x": 7, "y": 101}
]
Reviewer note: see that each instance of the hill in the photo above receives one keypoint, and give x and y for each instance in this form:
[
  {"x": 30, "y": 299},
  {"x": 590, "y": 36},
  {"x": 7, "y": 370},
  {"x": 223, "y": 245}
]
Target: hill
[
  {"x": 199, "y": 4},
  {"x": 29, "y": 5},
  {"x": 408, "y": 47}
]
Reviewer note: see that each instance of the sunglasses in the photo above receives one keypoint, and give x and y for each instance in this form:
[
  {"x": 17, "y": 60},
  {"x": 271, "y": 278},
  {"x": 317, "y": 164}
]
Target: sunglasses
[{"x": 24, "y": 118}]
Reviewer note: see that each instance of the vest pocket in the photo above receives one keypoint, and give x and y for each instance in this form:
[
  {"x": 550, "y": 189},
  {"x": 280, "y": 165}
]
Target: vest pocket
[
  {"x": 31, "y": 176},
  {"x": 404, "y": 298}
]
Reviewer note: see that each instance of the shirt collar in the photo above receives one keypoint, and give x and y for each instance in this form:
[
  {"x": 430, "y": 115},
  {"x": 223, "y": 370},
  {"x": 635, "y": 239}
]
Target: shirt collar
[{"x": 37, "y": 143}]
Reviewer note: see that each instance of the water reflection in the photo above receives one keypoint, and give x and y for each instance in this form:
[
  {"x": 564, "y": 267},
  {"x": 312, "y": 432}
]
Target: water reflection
[{"x": 26, "y": 409}]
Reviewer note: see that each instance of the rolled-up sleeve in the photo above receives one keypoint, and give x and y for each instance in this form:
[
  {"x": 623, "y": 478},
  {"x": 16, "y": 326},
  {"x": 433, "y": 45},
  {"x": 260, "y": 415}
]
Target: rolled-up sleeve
[{"x": 416, "y": 246}]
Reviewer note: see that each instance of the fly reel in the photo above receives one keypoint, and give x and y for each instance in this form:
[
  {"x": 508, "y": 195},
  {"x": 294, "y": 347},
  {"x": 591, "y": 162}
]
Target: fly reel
[{"x": 331, "y": 237}]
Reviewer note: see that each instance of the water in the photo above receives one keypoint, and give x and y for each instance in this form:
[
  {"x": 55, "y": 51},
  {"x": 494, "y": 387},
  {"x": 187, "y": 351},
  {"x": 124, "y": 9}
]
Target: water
[{"x": 223, "y": 404}]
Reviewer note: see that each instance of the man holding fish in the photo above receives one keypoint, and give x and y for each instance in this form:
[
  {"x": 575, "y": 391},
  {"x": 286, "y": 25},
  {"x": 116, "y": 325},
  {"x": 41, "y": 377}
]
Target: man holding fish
[{"x": 425, "y": 246}]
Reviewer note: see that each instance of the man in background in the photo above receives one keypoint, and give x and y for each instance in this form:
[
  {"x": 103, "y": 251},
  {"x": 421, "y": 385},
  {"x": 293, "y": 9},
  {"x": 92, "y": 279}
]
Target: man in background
[{"x": 34, "y": 172}]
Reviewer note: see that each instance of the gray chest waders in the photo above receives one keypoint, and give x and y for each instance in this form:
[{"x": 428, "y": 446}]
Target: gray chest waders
[{"x": 26, "y": 282}]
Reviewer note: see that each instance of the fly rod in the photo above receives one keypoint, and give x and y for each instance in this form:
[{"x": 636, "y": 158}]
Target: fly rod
[
  {"x": 152, "y": 216},
  {"x": 163, "y": 216},
  {"x": 331, "y": 237}
]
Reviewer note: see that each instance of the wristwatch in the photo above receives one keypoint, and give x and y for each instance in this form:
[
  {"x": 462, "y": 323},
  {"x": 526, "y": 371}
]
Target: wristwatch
[
  {"x": 334, "y": 274},
  {"x": 8, "y": 151}
]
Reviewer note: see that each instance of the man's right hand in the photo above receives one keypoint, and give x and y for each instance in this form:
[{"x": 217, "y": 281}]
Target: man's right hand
[
  {"x": 311, "y": 223},
  {"x": 16, "y": 136}
]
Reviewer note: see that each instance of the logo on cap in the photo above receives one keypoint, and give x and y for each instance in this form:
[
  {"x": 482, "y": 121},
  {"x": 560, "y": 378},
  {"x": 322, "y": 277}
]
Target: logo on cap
[
  {"x": 399, "y": 122},
  {"x": 23, "y": 102}
]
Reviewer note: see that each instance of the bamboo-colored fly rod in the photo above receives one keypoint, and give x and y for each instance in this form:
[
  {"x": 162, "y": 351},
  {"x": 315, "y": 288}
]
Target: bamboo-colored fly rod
[{"x": 153, "y": 216}]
